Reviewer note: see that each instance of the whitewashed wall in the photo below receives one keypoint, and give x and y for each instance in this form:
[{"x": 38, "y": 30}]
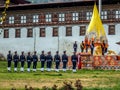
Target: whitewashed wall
[{"x": 50, "y": 43}]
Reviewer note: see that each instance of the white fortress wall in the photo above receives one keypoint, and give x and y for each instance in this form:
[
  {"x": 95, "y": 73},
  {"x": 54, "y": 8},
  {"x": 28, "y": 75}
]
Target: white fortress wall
[{"x": 50, "y": 43}]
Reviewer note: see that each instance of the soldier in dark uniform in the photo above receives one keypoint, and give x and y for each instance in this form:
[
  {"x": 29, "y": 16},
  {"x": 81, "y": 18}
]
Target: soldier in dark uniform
[
  {"x": 29, "y": 60},
  {"x": 22, "y": 59},
  {"x": 42, "y": 59},
  {"x": 64, "y": 60},
  {"x": 9, "y": 59},
  {"x": 16, "y": 59},
  {"x": 35, "y": 59},
  {"x": 75, "y": 46},
  {"x": 74, "y": 60},
  {"x": 57, "y": 61},
  {"x": 49, "y": 59},
  {"x": 92, "y": 47}
]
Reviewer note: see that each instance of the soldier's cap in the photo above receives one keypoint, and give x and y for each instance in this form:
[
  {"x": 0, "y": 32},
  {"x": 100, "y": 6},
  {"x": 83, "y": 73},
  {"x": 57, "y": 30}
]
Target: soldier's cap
[
  {"x": 9, "y": 51},
  {"x": 49, "y": 52},
  {"x": 35, "y": 52},
  {"x": 57, "y": 51},
  {"x": 64, "y": 51}
]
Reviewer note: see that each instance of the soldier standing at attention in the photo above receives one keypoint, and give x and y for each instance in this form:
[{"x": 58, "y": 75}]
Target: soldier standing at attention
[
  {"x": 92, "y": 47},
  {"x": 42, "y": 59},
  {"x": 49, "y": 59},
  {"x": 35, "y": 59},
  {"x": 74, "y": 60},
  {"x": 57, "y": 61},
  {"x": 29, "y": 60},
  {"x": 64, "y": 60},
  {"x": 82, "y": 46},
  {"x": 9, "y": 59},
  {"x": 22, "y": 59},
  {"x": 75, "y": 46},
  {"x": 16, "y": 59}
]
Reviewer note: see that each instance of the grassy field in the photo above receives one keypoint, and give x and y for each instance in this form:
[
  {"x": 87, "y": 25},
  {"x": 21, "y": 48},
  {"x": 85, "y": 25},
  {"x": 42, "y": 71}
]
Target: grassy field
[{"x": 90, "y": 79}]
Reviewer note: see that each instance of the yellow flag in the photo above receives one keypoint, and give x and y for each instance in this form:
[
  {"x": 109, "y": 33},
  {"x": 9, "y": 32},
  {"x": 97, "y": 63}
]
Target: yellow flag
[{"x": 95, "y": 27}]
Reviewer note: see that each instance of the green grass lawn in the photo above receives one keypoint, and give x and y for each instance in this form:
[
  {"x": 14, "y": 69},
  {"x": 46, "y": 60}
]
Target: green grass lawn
[{"x": 90, "y": 79}]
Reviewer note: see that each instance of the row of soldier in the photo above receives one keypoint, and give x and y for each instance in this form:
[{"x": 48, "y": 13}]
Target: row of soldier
[{"x": 43, "y": 59}]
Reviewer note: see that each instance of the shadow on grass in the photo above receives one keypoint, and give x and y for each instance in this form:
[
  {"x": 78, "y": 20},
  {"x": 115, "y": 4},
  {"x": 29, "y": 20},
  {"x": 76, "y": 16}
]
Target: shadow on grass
[{"x": 53, "y": 74}]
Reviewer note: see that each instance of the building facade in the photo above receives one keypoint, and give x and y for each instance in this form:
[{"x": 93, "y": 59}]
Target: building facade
[{"x": 55, "y": 26}]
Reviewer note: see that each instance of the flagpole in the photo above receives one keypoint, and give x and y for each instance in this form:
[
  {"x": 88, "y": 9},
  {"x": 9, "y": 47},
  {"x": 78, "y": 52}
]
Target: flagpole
[{"x": 100, "y": 6}]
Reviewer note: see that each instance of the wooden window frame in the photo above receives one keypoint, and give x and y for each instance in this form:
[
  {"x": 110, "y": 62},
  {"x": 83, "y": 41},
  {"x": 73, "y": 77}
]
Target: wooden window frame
[
  {"x": 55, "y": 31},
  {"x": 23, "y": 19},
  {"x": 104, "y": 15},
  {"x": 75, "y": 16},
  {"x": 55, "y": 17},
  {"x": 117, "y": 14},
  {"x": 11, "y": 20},
  {"x": 42, "y": 32},
  {"x": 48, "y": 17},
  {"x": 61, "y": 17},
  {"x": 17, "y": 33},
  {"x": 29, "y": 32},
  {"x": 68, "y": 31},
  {"x": 6, "y": 33},
  {"x": 82, "y": 30},
  {"x": 88, "y": 15},
  {"x": 82, "y": 15},
  {"x": 111, "y": 30},
  {"x": 35, "y": 18}
]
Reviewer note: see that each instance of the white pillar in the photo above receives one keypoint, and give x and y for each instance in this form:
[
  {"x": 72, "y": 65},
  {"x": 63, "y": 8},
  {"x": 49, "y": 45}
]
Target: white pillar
[{"x": 100, "y": 7}]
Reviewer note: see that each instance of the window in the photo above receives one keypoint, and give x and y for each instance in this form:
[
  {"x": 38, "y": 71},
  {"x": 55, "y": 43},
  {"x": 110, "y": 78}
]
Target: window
[
  {"x": 111, "y": 14},
  {"x": 55, "y": 31},
  {"x": 23, "y": 19},
  {"x": 48, "y": 18},
  {"x": 55, "y": 17},
  {"x": 82, "y": 15},
  {"x": 6, "y": 33},
  {"x": 42, "y": 32},
  {"x": 104, "y": 15},
  {"x": 111, "y": 30},
  {"x": 75, "y": 16},
  {"x": 68, "y": 31},
  {"x": 61, "y": 17},
  {"x": 88, "y": 15},
  {"x": 30, "y": 33},
  {"x": 117, "y": 14},
  {"x": 11, "y": 20},
  {"x": 35, "y": 18},
  {"x": 82, "y": 30},
  {"x": 17, "y": 33}
]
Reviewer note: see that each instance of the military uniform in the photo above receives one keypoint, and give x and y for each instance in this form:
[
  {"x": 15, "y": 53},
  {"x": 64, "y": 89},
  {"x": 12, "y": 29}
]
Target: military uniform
[
  {"x": 29, "y": 60},
  {"x": 64, "y": 60},
  {"x": 74, "y": 60},
  {"x": 35, "y": 59},
  {"x": 16, "y": 59},
  {"x": 57, "y": 61},
  {"x": 75, "y": 46},
  {"x": 22, "y": 59},
  {"x": 49, "y": 59},
  {"x": 42, "y": 59},
  {"x": 9, "y": 59},
  {"x": 92, "y": 47}
]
